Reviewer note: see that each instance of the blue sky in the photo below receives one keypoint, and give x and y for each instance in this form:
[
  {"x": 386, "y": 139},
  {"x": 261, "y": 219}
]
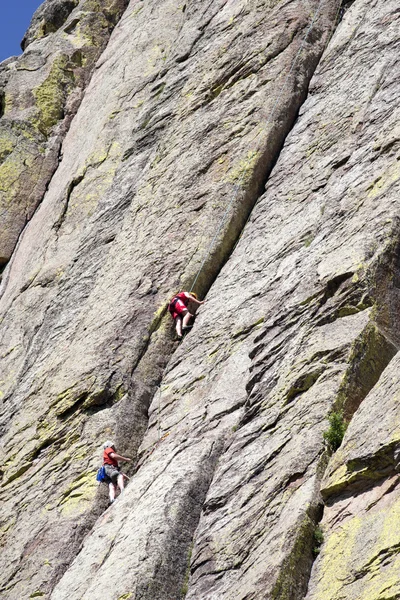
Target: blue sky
[{"x": 15, "y": 16}]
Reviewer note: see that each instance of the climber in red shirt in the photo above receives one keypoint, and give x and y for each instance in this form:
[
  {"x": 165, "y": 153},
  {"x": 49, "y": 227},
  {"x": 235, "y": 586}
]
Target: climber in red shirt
[
  {"x": 110, "y": 463},
  {"x": 178, "y": 307}
]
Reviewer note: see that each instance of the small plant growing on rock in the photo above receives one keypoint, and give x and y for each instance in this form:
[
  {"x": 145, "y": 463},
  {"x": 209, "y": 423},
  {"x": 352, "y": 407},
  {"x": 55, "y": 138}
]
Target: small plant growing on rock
[
  {"x": 337, "y": 428},
  {"x": 318, "y": 540}
]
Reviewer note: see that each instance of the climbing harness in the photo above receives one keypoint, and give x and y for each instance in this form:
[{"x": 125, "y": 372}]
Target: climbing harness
[{"x": 268, "y": 121}]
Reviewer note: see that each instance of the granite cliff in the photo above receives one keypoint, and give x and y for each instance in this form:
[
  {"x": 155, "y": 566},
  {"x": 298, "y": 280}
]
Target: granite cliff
[{"x": 250, "y": 147}]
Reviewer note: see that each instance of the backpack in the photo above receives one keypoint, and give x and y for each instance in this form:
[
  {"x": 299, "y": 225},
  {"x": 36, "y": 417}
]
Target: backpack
[{"x": 101, "y": 474}]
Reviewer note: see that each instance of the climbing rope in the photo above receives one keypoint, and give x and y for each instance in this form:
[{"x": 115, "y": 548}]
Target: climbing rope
[
  {"x": 160, "y": 438},
  {"x": 268, "y": 121},
  {"x": 158, "y": 414}
]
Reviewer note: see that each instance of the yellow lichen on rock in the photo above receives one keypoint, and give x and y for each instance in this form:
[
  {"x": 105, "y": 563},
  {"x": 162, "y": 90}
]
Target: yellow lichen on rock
[
  {"x": 79, "y": 493},
  {"x": 242, "y": 172},
  {"x": 335, "y": 558},
  {"x": 10, "y": 171},
  {"x": 7, "y": 145},
  {"x": 50, "y": 95},
  {"x": 381, "y": 183},
  {"x": 362, "y": 553}
]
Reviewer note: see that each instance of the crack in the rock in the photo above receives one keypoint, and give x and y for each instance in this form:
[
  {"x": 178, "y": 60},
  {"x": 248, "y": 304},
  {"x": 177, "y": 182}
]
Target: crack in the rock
[
  {"x": 233, "y": 230},
  {"x": 375, "y": 469}
]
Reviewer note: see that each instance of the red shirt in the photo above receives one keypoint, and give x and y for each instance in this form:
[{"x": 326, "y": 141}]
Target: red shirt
[
  {"x": 107, "y": 460},
  {"x": 179, "y": 303},
  {"x": 184, "y": 296}
]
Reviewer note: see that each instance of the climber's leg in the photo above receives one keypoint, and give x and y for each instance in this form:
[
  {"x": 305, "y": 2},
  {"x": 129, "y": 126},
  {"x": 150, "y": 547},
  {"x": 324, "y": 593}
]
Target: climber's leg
[
  {"x": 186, "y": 319},
  {"x": 111, "y": 492},
  {"x": 178, "y": 326},
  {"x": 120, "y": 482}
]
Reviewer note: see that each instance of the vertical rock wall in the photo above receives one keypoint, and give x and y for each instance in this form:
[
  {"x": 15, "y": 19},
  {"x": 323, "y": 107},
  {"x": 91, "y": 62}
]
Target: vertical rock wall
[
  {"x": 359, "y": 557},
  {"x": 323, "y": 242},
  {"x": 171, "y": 128},
  {"x": 301, "y": 320},
  {"x": 40, "y": 92}
]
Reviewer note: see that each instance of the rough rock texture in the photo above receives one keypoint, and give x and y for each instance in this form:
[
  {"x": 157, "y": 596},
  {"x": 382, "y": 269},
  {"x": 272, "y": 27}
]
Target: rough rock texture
[
  {"x": 305, "y": 314},
  {"x": 359, "y": 557},
  {"x": 172, "y": 119},
  {"x": 302, "y": 318},
  {"x": 328, "y": 229},
  {"x": 40, "y": 92},
  {"x": 48, "y": 18}
]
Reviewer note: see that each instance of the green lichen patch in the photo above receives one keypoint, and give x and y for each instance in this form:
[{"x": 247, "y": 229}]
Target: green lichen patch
[
  {"x": 157, "y": 318},
  {"x": 303, "y": 383},
  {"x": 7, "y": 526},
  {"x": 386, "y": 179},
  {"x": 338, "y": 551},
  {"x": 369, "y": 356},
  {"x": 185, "y": 585},
  {"x": 348, "y": 310},
  {"x": 44, "y": 29},
  {"x": 216, "y": 90},
  {"x": 309, "y": 299},
  {"x": 299, "y": 561},
  {"x": 64, "y": 401},
  {"x": 242, "y": 172},
  {"x": 72, "y": 404},
  {"x": 119, "y": 394},
  {"x": 248, "y": 329},
  {"x": 7, "y": 145},
  {"x": 77, "y": 495},
  {"x": 15, "y": 158},
  {"x": 19, "y": 471},
  {"x": 135, "y": 12},
  {"x": 361, "y": 556},
  {"x": 359, "y": 473},
  {"x": 192, "y": 385},
  {"x": 50, "y": 96},
  {"x": 10, "y": 172}
]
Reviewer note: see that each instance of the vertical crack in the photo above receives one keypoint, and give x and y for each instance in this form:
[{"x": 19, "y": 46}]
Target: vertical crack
[
  {"x": 132, "y": 417},
  {"x": 2, "y": 104},
  {"x": 372, "y": 352}
]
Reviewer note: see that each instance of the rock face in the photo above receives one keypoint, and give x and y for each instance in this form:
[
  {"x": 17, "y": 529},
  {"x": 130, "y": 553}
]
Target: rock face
[
  {"x": 184, "y": 119},
  {"x": 359, "y": 557},
  {"x": 40, "y": 92}
]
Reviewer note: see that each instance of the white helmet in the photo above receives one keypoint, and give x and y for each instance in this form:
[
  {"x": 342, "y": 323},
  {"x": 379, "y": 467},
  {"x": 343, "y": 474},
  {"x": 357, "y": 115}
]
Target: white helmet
[{"x": 108, "y": 445}]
